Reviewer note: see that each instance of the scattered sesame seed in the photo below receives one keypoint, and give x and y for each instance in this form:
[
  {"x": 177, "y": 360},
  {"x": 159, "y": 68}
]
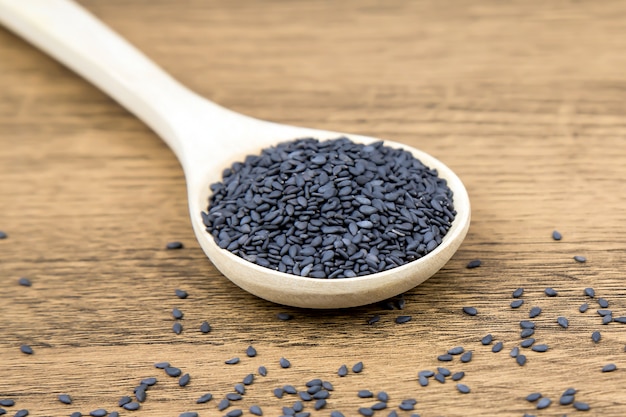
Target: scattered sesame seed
[
  {"x": 278, "y": 393},
  {"x": 284, "y": 316},
  {"x": 248, "y": 379},
  {"x": 26, "y": 349},
  {"x": 596, "y": 336},
  {"x": 463, "y": 389},
  {"x": 7, "y": 402},
  {"x": 75, "y": 414},
  {"x": 456, "y": 350},
  {"x": 569, "y": 391},
  {"x": 336, "y": 413},
  {"x": 251, "y": 351},
  {"x": 205, "y": 398},
  {"x": 514, "y": 352},
  {"x": 550, "y": 292},
  {"x": 173, "y": 371},
  {"x": 232, "y": 361},
  {"x": 65, "y": 399},
  {"x": 487, "y": 339},
  {"x": 556, "y": 235},
  {"x": 181, "y": 294},
  {"x": 234, "y": 413},
  {"x": 609, "y": 368},
  {"x": 563, "y": 322},
  {"x": 474, "y": 264},
  {"x": 177, "y": 314},
  {"x": 603, "y": 303},
  {"x": 189, "y": 414},
  {"x": 21, "y": 413},
  {"x": 440, "y": 378},
  {"x": 526, "y": 343},
  {"x": 583, "y": 307},
  {"x": 177, "y": 328},
  {"x": 162, "y": 365},
  {"x": 516, "y": 303},
  {"x": 365, "y": 393},
  {"x": 284, "y": 363},
  {"x": 544, "y": 403},
  {"x": 470, "y": 311},
  {"x": 205, "y": 327},
  {"x": 3, "y": 235},
  {"x": 184, "y": 380},
  {"x": 521, "y": 359},
  {"x": 319, "y": 404},
  {"x": 403, "y": 319},
  {"x": 233, "y": 396},
  {"x": 149, "y": 381},
  {"x": 566, "y": 399},
  {"x": 518, "y": 293},
  {"x": 358, "y": 367},
  {"x": 367, "y": 412},
  {"x": 497, "y": 347},
  {"x": 580, "y": 406},
  {"x": 343, "y": 370},
  {"x": 223, "y": 404},
  {"x": 374, "y": 319},
  {"x": 174, "y": 245},
  {"x": 25, "y": 282},
  {"x": 534, "y": 312},
  {"x": 457, "y": 376},
  {"x": 580, "y": 259},
  {"x": 589, "y": 292},
  {"x": 262, "y": 371},
  {"x": 466, "y": 357},
  {"x": 540, "y": 348},
  {"x": 256, "y": 410},
  {"x": 131, "y": 406},
  {"x": 382, "y": 396},
  {"x": 100, "y": 412},
  {"x": 527, "y": 324},
  {"x": 533, "y": 397},
  {"x": 444, "y": 358},
  {"x": 290, "y": 389}
]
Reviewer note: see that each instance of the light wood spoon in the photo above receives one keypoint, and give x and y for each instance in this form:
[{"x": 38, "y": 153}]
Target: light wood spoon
[{"x": 207, "y": 138}]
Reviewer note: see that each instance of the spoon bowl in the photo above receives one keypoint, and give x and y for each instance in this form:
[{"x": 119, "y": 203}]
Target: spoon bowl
[{"x": 208, "y": 138}]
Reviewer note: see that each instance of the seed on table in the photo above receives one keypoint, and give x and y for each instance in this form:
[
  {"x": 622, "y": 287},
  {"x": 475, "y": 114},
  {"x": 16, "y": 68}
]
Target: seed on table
[
  {"x": 596, "y": 336},
  {"x": 365, "y": 393},
  {"x": 566, "y": 399},
  {"x": 379, "y": 406},
  {"x": 251, "y": 351},
  {"x": 444, "y": 371},
  {"x": 100, "y": 412},
  {"x": 358, "y": 367},
  {"x": 284, "y": 316},
  {"x": 540, "y": 348},
  {"x": 533, "y": 397},
  {"x": 440, "y": 378},
  {"x": 343, "y": 370},
  {"x": 365, "y": 411},
  {"x": 527, "y": 324},
  {"x": 25, "y": 282},
  {"x": 26, "y": 349},
  {"x": 7, "y": 402},
  {"x": 621, "y": 319},
  {"x": 3, "y": 235},
  {"x": 456, "y": 350},
  {"x": 373, "y": 319},
  {"x": 182, "y": 294},
  {"x": 124, "y": 400},
  {"x": 569, "y": 391},
  {"x": 284, "y": 363},
  {"x": 21, "y": 413},
  {"x": 131, "y": 406},
  {"x": 248, "y": 379},
  {"x": 497, "y": 347},
  {"x": 65, "y": 399},
  {"x": 305, "y": 396},
  {"x": 233, "y": 396},
  {"x": 173, "y": 371},
  {"x": 609, "y": 368},
  {"x": 232, "y": 361},
  {"x": 278, "y": 393},
  {"x": 580, "y": 406},
  {"x": 297, "y": 406},
  {"x": 604, "y": 312},
  {"x": 205, "y": 398},
  {"x": 327, "y": 386},
  {"x": 556, "y": 235},
  {"x": 140, "y": 395},
  {"x": 336, "y": 413},
  {"x": 401, "y": 303},
  {"x": 603, "y": 303},
  {"x": 423, "y": 381},
  {"x": 544, "y": 403},
  {"x": 589, "y": 292},
  {"x": 550, "y": 292},
  {"x": 162, "y": 365},
  {"x": 403, "y": 319},
  {"x": 321, "y": 395},
  {"x": 74, "y": 414},
  {"x": 114, "y": 414},
  {"x": 314, "y": 382},
  {"x": 467, "y": 356},
  {"x": 319, "y": 404},
  {"x": 234, "y": 413},
  {"x": 205, "y": 327},
  {"x": 174, "y": 245},
  {"x": 470, "y": 311},
  {"x": 521, "y": 360},
  {"x": 189, "y": 414},
  {"x": 474, "y": 264},
  {"x": 382, "y": 396},
  {"x": 457, "y": 376},
  {"x": 462, "y": 388},
  {"x": 444, "y": 358},
  {"x": 223, "y": 404},
  {"x": 290, "y": 389},
  {"x": 184, "y": 380},
  {"x": 262, "y": 371},
  {"x": 516, "y": 303},
  {"x": 580, "y": 259},
  {"x": 534, "y": 312},
  {"x": 487, "y": 339},
  {"x": 393, "y": 413},
  {"x": 607, "y": 319},
  {"x": 514, "y": 352},
  {"x": 518, "y": 293},
  {"x": 563, "y": 322},
  {"x": 527, "y": 333},
  {"x": 583, "y": 307},
  {"x": 256, "y": 410},
  {"x": 177, "y": 314},
  {"x": 526, "y": 343},
  {"x": 149, "y": 381},
  {"x": 177, "y": 328}
]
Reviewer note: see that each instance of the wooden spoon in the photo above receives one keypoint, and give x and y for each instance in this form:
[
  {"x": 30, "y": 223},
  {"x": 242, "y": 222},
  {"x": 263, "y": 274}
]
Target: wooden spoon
[{"x": 206, "y": 138}]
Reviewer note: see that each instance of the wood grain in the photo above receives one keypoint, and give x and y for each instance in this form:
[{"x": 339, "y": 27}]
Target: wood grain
[{"x": 523, "y": 99}]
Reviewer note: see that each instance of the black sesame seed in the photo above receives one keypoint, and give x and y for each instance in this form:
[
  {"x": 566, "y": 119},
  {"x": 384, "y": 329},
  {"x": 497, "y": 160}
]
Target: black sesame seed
[
  {"x": 256, "y": 410},
  {"x": 609, "y": 368},
  {"x": 518, "y": 293},
  {"x": 26, "y": 349},
  {"x": 262, "y": 371},
  {"x": 462, "y": 388},
  {"x": 336, "y": 413},
  {"x": 440, "y": 378},
  {"x": 589, "y": 292},
  {"x": 131, "y": 406},
  {"x": 403, "y": 319},
  {"x": 550, "y": 292},
  {"x": 517, "y": 303},
  {"x": 278, "y": 393},
  {"x": 544, "y": 403},
  {"x": 189, "y": 414},
  {"x": 444, "y": 358},
  {"x": 7, "y": 402},
  {"x": 596, "y": 336},
  {"x": 100, "y": 412},
  {"x": 149, "y": 381},
  {"x": 181, "y": 293},
  {"x": 423, "y": 381},
  {"x": 314, "y": 382},
  {"x": 358, "y": 367},
  {"x": 521, "y": 359},
  {"x": 65, "y": 399},
  {"x": 540, "y": 348},
  {"x": 174, "y": 245},
  {"x": 184, "y": 380},
  {"x": 456, "y": 350},
  {"x": 234, "y": 413},
  {"x": 467, "y": 356},
  {"x": 514, "y": 352},
  {"x": 527, "y": 333},
  {"x": 604, "y": 312},
  {"x": 470, "y": 311},
  {"x": 3, "y": 235},
  {"x": 284, "y": 316},
  {"x": 367, "y": 412},
  {"x": 177, "y": 328},
  {"x": 487, "y": 339},
  {"x": 556, "y": 235},
  {"x": 74, "y": 414},
  {"x": 305, "y": 396},
  {"x": 583, "y": 307},
  {"x": 621, "y": 319},
  {"x": 205, "y": 398},
  {"x": 25, "y": 282},
  {"x": 172, "y": 371},
  {"x": 566, "y": 399},
  {"x": 162, "y": 365},
  {"x": 457, "y": 376},
  {"x": 284, "y": 363},
  {"x": 140, "y": 395},
  {"x": 426, "y": 373},
  {"x": 365, "y": 394},
  {"x": 533, "y": 397},
  {"x": 534, "y": 312},
  {"x": 124, "y": 400},
  {"x": 21, "y": 413},
  {"x": 343, "y": 370},
  {"x": 327, "y": 386},
  {"x": 607, "y": 319},
  {"x": 580, "y": 406},
  {"x": 321, "y": 395},
  {"x": 474, "y": 264},
  {"x": 379, "y": 406},
  {"x": 205, "y": 327},
  {"x": 569, "y": 391},
  {"x": 223, "y": 405},
  {"x": 248, "y": 379},
  {"x": 319, "y": 404},
  {"x": 373, "y": 319},
  {"x": 563, "y": 322},
  {"x": 382, "y": 396},
  {"x": 290, "y": 389},
  {"x": 497, "y": 347},
  {"x": 603, "y": 303},
  {"x": 233, "y": 396},
  {"x": 580, "y": 259},
  {"x": 177, "y": 314},
  {"x": 527, "y": 324},
  {"x": 251, "y": 352},
  {"x": 232, "y": 361},
  {"x": 526, "y": 343},
  {"x": 444, "y": 371}
]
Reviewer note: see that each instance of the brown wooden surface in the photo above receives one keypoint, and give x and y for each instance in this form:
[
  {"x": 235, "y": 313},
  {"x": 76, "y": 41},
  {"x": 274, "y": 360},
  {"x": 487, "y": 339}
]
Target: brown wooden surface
[{"x": 525, "y": 100}]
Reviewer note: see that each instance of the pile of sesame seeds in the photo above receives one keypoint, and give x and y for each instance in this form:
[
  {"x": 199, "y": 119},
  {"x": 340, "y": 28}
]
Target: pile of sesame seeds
[{"x": 332, "y": 209}]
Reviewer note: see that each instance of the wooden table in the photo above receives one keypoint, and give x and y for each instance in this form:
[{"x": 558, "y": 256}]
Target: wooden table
[{"x": 523, "y": 99}]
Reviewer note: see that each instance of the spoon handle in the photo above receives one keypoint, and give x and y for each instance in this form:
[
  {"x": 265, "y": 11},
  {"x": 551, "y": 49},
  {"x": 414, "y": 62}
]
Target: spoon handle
[{"x": 79, "y": 40}]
